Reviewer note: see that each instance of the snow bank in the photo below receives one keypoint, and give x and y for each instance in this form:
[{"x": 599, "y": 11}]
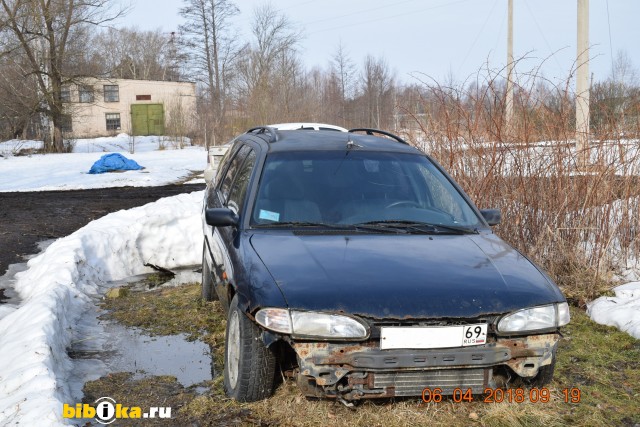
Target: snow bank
[
  {"x": 56, "y": 289},
  {"x": 621, "y": 311}
]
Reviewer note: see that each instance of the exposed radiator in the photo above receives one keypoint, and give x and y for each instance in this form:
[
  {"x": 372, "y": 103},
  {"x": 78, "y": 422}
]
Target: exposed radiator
[{"x": 413, "y": 383}]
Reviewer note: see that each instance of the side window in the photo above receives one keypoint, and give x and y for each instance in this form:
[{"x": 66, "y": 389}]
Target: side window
[
  {"x": 239, "y": 189},
  {"x": 225, "y": 187},
  {"x": 226, "y": 178},
  {"x": 222, "y": 164}
]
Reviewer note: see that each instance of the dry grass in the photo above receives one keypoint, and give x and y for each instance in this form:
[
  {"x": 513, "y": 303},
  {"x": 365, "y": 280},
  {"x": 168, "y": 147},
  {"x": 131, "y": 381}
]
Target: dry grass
[
  {"x": 602, "y": 362},
  {"x": 579, "y": 224}
]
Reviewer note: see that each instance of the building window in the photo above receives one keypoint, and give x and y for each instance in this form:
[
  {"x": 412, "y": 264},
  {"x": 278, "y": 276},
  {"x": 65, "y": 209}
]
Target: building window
[
  {"x": 143, "y": 97},
  {"x": 65, "y": 123},
  {"x": 113, "y": 121},
  {"x": 111, "y": 93},
  {"x": 65, "y": 94},
  {"x": 86, "y": 93}
]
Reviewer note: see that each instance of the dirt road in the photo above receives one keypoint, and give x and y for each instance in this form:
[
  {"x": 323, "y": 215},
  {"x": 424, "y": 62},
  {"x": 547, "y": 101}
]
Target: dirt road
[{"x": 27, "y": 218}]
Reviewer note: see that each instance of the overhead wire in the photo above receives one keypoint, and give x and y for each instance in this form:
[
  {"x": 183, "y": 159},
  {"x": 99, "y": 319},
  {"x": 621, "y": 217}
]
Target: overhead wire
[
  {"x": 359, "y": 12},
  {"x": 500, "y": 35},
  {"x": 551, "y": 51},
  {"x": 613, "y": 70},
  {"x": 385, "y": 18},
  {"x": 478, "y": 36}
]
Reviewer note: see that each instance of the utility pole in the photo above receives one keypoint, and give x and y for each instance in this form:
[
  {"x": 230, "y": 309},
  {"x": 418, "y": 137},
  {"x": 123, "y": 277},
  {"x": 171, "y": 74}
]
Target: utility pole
[
  {"x": 509, "y": 96},
  {"x": 582, "y": 85}
]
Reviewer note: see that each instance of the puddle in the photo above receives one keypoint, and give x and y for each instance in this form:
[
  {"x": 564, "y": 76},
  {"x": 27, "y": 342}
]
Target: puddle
[
  {"x": 103, "y": 346},
  {"x": 137, "y": 352},
  {"x": 123, "y": 349}
]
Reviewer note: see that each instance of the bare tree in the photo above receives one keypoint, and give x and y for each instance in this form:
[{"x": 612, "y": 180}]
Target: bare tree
[
  {"x": 213, "y": 47},
  {"x": 377, "y": 84},
  {"x": 615, "y": 100},
  {"x": 344, "y": 70},
  {"x": 270, "y": 62},
  {"x": 44, "y": 30},
  {"x": 18, "y": 96},
  {"x": 344, "y": 67},
  {"x": 129, "y": 53}
]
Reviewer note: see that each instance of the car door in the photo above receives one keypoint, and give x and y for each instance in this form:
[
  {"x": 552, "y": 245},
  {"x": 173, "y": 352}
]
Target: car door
[{"x": 224, "y": 242}]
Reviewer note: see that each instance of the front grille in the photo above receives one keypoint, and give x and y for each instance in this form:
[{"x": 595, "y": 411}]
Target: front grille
[{"x": 414, "y": 382}]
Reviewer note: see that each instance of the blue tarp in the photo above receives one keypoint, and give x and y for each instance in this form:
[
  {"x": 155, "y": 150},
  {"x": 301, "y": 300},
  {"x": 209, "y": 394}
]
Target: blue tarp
[{"x": 114, "y": 162}]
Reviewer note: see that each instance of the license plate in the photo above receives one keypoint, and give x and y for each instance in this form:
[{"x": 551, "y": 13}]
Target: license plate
[{"x": 433, "y": 337}]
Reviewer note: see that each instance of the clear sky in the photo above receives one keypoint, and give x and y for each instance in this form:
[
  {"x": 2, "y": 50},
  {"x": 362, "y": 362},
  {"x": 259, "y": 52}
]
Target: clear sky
[{"x": 440, "y": 37}]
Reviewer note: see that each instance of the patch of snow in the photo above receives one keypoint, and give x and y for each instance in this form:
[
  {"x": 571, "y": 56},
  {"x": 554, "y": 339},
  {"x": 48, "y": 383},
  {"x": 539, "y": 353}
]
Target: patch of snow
[
  {"x": 14, "y": 146},
  {"x": 621, "y": 311}
]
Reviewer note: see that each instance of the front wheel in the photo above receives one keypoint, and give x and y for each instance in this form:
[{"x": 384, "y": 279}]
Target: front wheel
[{"x": 249, "y": 366}]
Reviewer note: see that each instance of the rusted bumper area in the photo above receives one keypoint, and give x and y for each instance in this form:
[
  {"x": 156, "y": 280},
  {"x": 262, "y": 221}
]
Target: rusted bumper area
[{"x": 364, "y": 370}]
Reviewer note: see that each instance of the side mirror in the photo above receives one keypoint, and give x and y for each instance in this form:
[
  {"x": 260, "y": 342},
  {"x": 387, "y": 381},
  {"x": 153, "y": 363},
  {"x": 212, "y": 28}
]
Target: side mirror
[
  {"x": 221, "y": 217},
  {"x": 492, "y": 216}
]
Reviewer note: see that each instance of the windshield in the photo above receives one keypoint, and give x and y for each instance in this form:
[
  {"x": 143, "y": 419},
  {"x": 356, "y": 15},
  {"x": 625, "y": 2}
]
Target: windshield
[{"x": 357, "y": 187}]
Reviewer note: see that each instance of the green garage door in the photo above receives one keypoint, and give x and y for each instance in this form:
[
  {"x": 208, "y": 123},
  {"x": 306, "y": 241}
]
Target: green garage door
[{"x": 147, "y": 119}]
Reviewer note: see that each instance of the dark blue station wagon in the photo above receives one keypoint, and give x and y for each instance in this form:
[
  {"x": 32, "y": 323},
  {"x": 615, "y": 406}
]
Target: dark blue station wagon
[{"x": 353, "y": 262}]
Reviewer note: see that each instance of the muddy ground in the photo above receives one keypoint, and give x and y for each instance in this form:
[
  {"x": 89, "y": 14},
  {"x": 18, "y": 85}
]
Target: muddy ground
[{"x": 29, "y": 217}]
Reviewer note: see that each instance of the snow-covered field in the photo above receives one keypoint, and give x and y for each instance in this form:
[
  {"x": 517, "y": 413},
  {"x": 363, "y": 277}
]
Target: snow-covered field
[
  {"x": 544, "y": 158},
  {"x": 58, "y": 285},
  {"x": 163, "y": 160}
]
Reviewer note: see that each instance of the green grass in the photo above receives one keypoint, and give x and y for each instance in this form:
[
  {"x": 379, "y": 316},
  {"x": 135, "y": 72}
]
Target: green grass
[{"x": 602, "y": 362}]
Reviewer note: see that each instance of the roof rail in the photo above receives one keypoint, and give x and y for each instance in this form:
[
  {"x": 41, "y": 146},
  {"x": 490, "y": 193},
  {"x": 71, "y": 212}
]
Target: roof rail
[
  {"x": 381, "y": 132},
  {"x": 261, "y": 130}
]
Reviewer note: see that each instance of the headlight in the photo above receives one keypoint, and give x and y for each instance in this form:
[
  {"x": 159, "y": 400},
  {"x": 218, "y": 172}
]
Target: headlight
[
  {"x": 536, "y": 318},
  {"x": 311, "y": 324}
]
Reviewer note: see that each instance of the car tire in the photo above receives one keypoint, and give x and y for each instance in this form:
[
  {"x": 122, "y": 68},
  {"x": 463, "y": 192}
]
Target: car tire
[
  {"x": 208, "y": 293},
  {"x": 249, "y": 366}
]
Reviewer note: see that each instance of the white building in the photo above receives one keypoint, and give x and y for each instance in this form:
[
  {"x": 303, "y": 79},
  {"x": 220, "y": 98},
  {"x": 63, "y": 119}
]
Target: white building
[{"x": 137, "y": 107}]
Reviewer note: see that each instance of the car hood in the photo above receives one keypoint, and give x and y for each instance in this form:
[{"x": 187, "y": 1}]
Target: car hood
[{"x": 403, "y": 276}]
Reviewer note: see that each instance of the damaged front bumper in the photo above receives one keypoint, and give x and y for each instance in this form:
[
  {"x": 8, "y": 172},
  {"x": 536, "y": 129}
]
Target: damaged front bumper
[{"x": 363, "y": 370}]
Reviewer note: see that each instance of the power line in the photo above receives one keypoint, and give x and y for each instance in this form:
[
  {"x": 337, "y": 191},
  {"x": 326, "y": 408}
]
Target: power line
[
  {"x": 542, "y": 34},
  {"x": 478, "y": 36},
  {"x": 386, "y": 18},
  {"x": 359, "y": 12},
  {"x": 613, "y": 72},
  {"x": 500, "y": 36}
]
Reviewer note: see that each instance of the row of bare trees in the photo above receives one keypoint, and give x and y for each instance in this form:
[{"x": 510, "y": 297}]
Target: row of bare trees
[
  {"x": 260, "y": 78},
  {"x": 263, "y": 79}
]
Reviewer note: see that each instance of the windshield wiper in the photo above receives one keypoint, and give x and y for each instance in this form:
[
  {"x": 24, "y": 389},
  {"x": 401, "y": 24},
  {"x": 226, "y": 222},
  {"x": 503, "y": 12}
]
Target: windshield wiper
[
  {"x": 329, "y": 226},
  {"x": 284, "y": 224},
  {"x": 422, "y": 227}
]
